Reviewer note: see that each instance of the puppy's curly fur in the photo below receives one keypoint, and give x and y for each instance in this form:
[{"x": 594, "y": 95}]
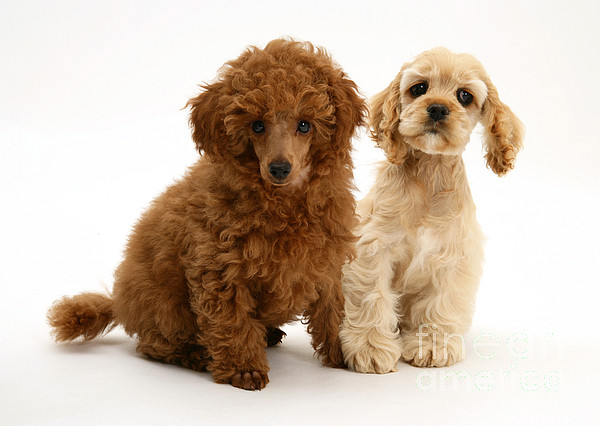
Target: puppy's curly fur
[
  {"x": 410, "y": 292},
  {"x": 256, "y": 233}
]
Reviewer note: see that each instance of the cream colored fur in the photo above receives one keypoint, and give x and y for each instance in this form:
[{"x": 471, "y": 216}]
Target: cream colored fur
[{"x": 410, "y": 293}]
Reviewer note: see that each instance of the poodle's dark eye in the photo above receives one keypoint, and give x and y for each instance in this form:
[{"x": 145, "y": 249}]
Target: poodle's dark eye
[
  {"x": 419, "y": 89},
  {"x": 464, "y": 97},
  {"x": 303, "y": 126},
  {"x": 258, "y": 126}
]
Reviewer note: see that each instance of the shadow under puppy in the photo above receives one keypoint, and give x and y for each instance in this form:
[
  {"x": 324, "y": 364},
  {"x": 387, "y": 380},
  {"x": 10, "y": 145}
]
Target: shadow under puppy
[
  {"x": 411, "y": 290},
  {"x": 254, "y": 235}
]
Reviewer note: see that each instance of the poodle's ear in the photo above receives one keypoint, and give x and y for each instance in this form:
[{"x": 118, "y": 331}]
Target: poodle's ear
[
  {"x": 503, "y": 133},
  {"x": 350, "y": 112},
  {"x": 384, "y": 118},
  {"x": 206, "y": 120}
]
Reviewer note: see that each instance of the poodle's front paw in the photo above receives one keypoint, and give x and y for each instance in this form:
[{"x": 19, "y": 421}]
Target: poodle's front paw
[
  {"x": 431, "y": 352},
  {"x": 330, "y": 354},
  {"x": 250, "y": 380},
  {"x": 250, "y": 377}
]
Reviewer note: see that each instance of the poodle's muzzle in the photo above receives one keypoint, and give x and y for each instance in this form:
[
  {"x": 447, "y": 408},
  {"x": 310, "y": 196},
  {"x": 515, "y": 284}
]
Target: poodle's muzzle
[{"x": 280, "y": 170}]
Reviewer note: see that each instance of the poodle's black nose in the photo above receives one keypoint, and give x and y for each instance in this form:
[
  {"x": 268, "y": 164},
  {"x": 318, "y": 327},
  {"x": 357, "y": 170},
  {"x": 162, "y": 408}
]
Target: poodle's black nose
[
  {"x": 438, "y": 112},
  {"x": 280, "y": 170}
]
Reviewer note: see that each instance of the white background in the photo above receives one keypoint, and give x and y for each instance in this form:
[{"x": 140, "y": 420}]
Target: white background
[{"x": 92, "y": 128}]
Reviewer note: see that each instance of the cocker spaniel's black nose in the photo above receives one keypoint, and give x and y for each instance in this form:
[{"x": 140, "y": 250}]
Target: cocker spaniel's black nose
[{"x": 438, "y": 112}]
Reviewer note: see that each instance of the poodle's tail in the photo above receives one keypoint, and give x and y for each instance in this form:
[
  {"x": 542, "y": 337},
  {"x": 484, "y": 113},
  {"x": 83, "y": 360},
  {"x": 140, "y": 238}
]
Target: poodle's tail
[{"x": 87, "y": 315}]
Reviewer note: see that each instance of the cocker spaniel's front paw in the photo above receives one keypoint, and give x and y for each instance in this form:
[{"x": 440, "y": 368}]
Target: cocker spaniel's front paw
[
  {"x": 369, "y": 359},
  {"x": 429, "y": 352},
  {"x": 368, "y": 351}
]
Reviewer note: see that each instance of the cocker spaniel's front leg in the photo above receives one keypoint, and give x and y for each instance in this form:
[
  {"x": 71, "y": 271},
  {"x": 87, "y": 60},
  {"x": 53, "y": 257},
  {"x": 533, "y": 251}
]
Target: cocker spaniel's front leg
[
  {"x": 235, "y": 341},
  {"x": 433, "y": 326},
  {"x": 369, "y": 333}
]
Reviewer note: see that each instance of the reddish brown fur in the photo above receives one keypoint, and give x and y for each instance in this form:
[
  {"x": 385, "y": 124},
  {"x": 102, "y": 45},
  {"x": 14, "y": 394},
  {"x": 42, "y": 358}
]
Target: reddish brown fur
[{"x": 225, "y": 256}]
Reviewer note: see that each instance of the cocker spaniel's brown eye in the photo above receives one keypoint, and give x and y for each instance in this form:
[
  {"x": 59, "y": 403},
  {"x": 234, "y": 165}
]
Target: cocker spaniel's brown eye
[
  {"x": 258, "y": 126},
  {"x": 419, "y": 89},
  {"x": 303, "y": 126},
  {"x": 464, "y": 97}
]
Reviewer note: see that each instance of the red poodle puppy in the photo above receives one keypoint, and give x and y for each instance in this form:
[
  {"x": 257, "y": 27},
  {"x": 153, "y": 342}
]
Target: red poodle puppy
[{"x": 254, "y": 235}]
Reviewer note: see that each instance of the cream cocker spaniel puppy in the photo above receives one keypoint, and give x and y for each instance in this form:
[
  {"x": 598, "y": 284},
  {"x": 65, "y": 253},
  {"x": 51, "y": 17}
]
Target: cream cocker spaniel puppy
[{"x": 411, "y": 290}]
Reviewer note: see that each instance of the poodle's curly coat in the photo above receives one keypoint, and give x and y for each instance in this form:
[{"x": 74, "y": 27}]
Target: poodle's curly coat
[{"x": 239, "y": 247}]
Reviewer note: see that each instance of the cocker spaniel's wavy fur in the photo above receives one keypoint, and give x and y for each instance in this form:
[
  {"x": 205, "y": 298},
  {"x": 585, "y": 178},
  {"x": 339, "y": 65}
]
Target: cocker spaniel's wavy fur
[
  {"x": 255, "y": 234},
  {"x": 410, "y": 292}
]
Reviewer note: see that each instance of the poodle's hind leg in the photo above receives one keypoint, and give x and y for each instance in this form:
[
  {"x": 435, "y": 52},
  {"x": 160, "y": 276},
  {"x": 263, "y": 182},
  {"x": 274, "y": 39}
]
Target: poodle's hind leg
[
  {"x": 173, "y": 351},
  {"x": 275, "y": 336}
]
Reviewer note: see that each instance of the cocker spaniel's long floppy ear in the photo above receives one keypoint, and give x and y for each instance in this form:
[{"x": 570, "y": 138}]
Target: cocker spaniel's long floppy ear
[
  {"x": 206, "y": 120},
  {"x": 503, "y": 133},
  {"x": 384, "y": 118}
]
